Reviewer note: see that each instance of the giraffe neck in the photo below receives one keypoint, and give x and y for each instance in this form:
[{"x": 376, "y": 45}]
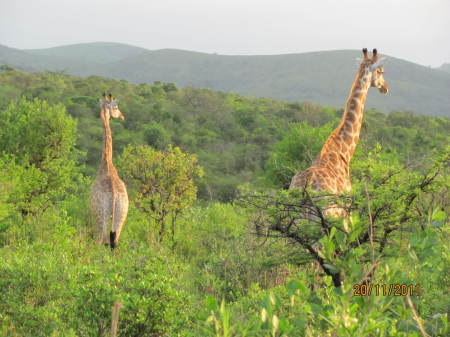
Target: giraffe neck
[
  {"x": 346, "y": 136},
  {"x": 106, "y": 164}
]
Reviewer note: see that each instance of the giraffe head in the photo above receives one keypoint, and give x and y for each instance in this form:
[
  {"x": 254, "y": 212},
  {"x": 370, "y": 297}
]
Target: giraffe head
[
  {"x": 110, "y": 107},
  {"x": 374, "y": 65}
]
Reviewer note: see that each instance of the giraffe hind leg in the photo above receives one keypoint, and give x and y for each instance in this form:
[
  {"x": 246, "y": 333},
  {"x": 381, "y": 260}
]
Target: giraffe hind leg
[
  {"x": 102, "y": 229},
  {"x": 120, "y": 212},
  {"x": 101, "y": 209}
]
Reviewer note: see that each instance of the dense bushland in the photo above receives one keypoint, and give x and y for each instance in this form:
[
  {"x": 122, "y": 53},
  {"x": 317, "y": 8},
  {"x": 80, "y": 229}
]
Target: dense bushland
[
  {"x": 232, "y": 267},
  {"x": 232, "y": 135}
]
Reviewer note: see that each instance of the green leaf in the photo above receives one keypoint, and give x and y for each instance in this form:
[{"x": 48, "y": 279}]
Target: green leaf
[
  {"x": 211, "y": 303},
  {"x": 295, "y": 285},
  {"x": 332, "y": 232},
  {"x": 340, "y": 239},
  {"x": 330, "y": 247},
  {"x": 284, "y": 325},
  {"x": 438, "y": 215},
  {"x": 331, "y": 268},
  {"x": 316, "y": 309},
  {"x": 354, "y": 234}
]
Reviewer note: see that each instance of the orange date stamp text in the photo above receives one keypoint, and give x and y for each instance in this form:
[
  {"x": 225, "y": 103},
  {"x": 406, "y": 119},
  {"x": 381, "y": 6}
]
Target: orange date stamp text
[{"x": 392, "y": 289}]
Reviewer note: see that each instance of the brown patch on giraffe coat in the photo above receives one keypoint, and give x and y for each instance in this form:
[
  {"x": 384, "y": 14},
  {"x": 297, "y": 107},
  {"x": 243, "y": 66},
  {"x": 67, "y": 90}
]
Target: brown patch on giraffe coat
[
  {"x": 347, "y": 138},
  {"x": 351, "y": 116},
  {"x": 348, "y": 126}
]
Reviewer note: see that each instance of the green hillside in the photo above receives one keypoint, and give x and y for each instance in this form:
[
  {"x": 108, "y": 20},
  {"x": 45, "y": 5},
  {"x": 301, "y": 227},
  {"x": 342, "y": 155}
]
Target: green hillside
[{"x": 320, "y": 77}]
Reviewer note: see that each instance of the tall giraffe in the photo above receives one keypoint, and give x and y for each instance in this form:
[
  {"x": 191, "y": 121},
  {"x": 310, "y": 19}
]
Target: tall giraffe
[
  {"x": 109, "y": 197},
  {"x": 330, "y": 170}
]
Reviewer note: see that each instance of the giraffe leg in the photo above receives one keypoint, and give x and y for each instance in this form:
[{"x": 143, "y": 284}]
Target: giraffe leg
[
  {"x": 120, "y": 212},
  {"x": 101, "y": 208},
  {"x": 102, "y": 221}
]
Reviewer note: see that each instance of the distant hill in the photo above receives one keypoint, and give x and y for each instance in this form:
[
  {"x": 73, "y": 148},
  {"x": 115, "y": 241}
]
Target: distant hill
[
  {"x": 321, "y": 77},
  {"x": 27, "y": 61},
  {"x": 97, "y": 52},
  {"x": 445, "y": 67}
]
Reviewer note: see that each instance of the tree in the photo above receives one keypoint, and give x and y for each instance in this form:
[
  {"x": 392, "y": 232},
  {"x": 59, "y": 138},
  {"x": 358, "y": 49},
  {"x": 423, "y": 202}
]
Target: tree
[
  {"x": 38, "y": 156},
  {"x": 164, "y": 181},
  {"x": 388, "y": 198},
  {"x": 295, "y": 151},
  {"x": 156, "y": 136}
]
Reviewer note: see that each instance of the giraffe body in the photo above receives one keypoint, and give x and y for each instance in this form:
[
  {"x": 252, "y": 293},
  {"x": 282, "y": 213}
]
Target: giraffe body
[
  {"x": 110, "y": 203},
  {"x": 109, "y": 198},
  {"x": 330, "y": 171}
]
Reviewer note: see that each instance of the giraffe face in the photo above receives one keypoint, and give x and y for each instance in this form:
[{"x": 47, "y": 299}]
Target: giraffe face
[
  {"x": 111, "y": 108},
  {"x": 378, "y": 80},
  {"x": 114, "y": 110},
  {"x": 373, "y": 65}
]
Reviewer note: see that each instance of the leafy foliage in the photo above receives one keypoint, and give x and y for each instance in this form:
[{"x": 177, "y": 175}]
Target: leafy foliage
[
  {"x": 295, "y": 151},
  {"x": 201, "y": 121},
  {"x": 164, "y": 181},
  {"x": 221, "y": 275},
  {"x": 38, "y": 160},
  {"x": 372, "y": 252},
  {"x": 39, "y": 135},
  {"x": 66, "y": 288}
]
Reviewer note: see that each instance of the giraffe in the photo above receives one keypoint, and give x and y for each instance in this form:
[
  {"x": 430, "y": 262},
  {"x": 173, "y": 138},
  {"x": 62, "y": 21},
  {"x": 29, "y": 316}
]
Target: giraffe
[
  {"x": 109, "y": 198},
  {"x": 330, "y": 170}
]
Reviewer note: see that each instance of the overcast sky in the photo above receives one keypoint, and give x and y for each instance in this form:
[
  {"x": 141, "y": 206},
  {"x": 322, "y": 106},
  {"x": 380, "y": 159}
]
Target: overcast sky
[{"x": 415, "y": 30}]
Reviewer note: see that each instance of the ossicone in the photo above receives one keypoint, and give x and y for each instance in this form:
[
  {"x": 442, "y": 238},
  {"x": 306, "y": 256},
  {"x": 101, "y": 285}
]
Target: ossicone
[{"x": 365, "y": 53}]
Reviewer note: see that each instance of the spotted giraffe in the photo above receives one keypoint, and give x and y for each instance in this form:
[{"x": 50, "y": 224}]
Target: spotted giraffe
[
  {"x": 109, "y": 198},
  {"x": 330, "y": 170}
]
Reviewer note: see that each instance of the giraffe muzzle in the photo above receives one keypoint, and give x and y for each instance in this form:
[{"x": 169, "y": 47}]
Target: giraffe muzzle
[{"x": 384, "y": 90}]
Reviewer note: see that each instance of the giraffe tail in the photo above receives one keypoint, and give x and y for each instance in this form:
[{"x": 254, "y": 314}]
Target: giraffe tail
[
  {"x": 112, "y": 234},
  {"x": 112, "y": 239}
]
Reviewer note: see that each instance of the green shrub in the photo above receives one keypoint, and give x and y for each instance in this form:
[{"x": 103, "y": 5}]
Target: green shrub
[
  {"x": 296, "y": 151},
  {"x": 63, "y": 285}
]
